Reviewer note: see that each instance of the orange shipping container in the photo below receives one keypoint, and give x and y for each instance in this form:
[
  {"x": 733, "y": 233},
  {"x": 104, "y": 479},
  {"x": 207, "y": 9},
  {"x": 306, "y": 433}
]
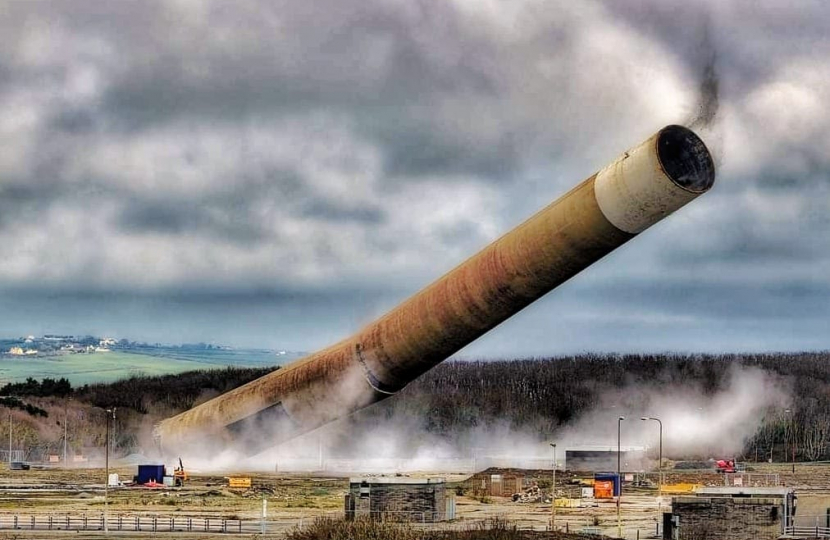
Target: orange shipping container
[{"x": 603, "y": 489}]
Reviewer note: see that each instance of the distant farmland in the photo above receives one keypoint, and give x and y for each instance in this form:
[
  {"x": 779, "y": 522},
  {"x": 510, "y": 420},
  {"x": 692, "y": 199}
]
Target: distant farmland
[{"x": 111, "y": 366}]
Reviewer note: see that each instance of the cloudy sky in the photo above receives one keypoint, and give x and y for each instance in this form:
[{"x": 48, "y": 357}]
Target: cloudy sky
[{"x": 279, "y": 173}]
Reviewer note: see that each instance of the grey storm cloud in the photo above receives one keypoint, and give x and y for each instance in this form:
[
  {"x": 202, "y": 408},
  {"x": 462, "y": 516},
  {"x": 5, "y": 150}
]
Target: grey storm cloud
[{"x": 151, "y": 149}]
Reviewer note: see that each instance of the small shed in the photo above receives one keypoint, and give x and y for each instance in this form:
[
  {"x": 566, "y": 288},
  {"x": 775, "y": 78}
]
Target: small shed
[
  {"x": 423, "y": 500},
  {"x": 731, "y": 513}
]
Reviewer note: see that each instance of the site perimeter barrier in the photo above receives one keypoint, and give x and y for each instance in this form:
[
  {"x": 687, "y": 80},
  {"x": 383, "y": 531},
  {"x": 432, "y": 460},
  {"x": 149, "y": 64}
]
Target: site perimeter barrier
[
  {"x": 65, "y": 522},
  {"x": 807, "y": 532},
  {"x": 166, "y": 523},
  {"x": 751, "y": 479}
]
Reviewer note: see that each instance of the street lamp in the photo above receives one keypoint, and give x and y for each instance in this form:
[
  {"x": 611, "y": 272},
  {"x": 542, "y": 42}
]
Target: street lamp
[
  {"x": 110, "y": 412},
  {"x": 660, "y": 466},
  {"x": 553, "y": 492},
  {"x": 619, "y": 477}
]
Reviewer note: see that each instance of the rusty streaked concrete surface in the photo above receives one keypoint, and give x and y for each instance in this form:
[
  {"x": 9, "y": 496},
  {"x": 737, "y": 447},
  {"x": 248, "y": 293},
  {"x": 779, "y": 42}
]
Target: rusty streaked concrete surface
[{"x": 600, "y": 214}]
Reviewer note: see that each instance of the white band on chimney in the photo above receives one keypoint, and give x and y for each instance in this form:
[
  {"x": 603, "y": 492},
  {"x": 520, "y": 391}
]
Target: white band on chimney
[{"x": 634, "y": 192}]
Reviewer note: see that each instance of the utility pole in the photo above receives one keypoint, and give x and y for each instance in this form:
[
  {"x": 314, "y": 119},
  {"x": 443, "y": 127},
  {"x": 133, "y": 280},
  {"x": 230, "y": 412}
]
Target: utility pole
[
  {"x": 619, "y": 476},
  {"x": 10, "y": 437},
  {"x": 553, "y": 492}
]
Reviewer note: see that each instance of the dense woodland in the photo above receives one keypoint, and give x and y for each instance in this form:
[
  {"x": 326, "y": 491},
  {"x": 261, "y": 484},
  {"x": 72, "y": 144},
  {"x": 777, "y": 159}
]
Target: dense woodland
[
  {"x": 167, "y": 394},
  {"x": 541, "y": 395},
  {"x": 536, "y": 395}
]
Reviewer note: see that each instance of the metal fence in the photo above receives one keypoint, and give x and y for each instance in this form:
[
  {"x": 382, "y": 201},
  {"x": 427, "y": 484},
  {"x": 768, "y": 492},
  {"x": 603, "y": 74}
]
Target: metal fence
[
  {"x": 804, "y": 531},
  {"x": 809, "y": 527},
  {"x": 52, "y": 522},
  {"x": 745, "y": 479},
  {"x": 166, "y": 523},
  {"x": 16, "y": 455}
]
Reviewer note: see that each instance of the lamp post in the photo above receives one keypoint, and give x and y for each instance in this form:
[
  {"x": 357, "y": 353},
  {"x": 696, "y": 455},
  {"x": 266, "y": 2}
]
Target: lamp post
[
  {"x": 110, "y": 412},
  {"x": 660, "y": 466},
  {"x": 553, "y": 492},
  {"x": 619, "y": 477}
]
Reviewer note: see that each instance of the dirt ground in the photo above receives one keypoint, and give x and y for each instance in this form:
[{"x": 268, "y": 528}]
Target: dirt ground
[{"x": 294, "y": 499}]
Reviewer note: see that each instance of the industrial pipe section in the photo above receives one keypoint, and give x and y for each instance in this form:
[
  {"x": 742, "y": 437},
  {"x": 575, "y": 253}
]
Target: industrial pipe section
[{"x": 640, "y": 188}]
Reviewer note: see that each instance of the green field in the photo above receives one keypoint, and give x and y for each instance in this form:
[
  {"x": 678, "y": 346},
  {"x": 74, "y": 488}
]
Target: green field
[{"x": 97, "y": 367}]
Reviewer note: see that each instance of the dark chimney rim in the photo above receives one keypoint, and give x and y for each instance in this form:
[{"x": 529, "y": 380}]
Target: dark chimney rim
[{"x": 685, "y": 159}]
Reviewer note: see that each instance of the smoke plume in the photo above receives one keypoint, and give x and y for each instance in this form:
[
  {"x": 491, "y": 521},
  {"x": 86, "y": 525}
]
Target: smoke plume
[{"x": 708, "y": 96}]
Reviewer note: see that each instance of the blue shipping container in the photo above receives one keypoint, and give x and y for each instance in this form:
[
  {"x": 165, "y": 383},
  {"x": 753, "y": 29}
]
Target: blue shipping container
[{"x": 146, "y": 473}]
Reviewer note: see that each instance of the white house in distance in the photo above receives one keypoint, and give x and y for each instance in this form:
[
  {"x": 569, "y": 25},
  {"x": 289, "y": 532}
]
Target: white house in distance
[{"x": 20, "y": 351}]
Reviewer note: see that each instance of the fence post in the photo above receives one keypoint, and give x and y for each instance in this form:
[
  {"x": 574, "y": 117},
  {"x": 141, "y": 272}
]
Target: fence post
[
  {"x": 225, "y": 525},
  {"x": 120, "y": 518},
  {"x": 207, "y": 524},
  {"x": 155, "y": 523},
  {"x": 189, "y": 524},
  {"x": 50, "y": 522},
  {"x": 67, "y": 522},
  {"x": 137, "y": 523},
  {"x": 15, "y": 521},
  {"x": 33, "y": 522}
]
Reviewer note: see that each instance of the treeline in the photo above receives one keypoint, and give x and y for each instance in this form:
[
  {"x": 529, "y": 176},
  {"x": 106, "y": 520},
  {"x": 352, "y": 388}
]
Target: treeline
[
  {"x": 162, "y": 394},
  {"x": 15, "y": 403},
  {"x": 539, "y": 395},
  {"x": 140, "y": 393},
  {"x": 542, "y": 393},
  {"x": 33, "y": 388}
]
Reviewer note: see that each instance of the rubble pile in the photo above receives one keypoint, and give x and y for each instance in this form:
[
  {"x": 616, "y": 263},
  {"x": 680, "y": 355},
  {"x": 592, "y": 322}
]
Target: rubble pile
[{"x": 532, "y": 494}]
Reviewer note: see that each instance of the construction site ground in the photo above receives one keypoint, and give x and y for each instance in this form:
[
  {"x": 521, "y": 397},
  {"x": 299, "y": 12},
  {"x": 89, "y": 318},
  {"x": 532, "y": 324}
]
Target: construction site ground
[{"x": 295, "y": 499}]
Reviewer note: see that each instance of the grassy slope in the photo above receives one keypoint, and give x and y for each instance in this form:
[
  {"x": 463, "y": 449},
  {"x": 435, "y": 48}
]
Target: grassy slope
[{"x": 92, "y": 368}]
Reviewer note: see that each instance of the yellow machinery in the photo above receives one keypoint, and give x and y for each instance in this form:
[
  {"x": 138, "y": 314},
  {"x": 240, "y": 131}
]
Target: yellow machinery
[{"x": 180, "y": 475}]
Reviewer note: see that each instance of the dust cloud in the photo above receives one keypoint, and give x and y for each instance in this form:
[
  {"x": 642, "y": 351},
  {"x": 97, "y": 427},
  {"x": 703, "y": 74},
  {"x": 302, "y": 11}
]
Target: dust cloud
[{"x": 698, "y": 423}]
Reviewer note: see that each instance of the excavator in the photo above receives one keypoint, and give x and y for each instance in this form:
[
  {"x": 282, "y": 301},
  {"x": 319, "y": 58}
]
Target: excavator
[
  {"x": 179, "y": 475},
  {"x": 723, "y": 466}
]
